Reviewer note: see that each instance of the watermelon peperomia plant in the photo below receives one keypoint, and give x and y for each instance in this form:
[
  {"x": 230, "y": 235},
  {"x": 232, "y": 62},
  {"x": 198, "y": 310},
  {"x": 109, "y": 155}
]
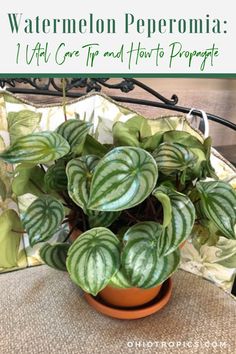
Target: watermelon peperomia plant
[{"x": 133, "y": 202}]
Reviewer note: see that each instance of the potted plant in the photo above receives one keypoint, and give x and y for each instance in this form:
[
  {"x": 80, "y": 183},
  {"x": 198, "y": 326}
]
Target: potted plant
[{"x": 131, "y": 203}]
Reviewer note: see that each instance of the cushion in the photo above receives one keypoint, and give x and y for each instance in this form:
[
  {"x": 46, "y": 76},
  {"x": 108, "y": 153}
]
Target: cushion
[{"x": 19, "y": 117}]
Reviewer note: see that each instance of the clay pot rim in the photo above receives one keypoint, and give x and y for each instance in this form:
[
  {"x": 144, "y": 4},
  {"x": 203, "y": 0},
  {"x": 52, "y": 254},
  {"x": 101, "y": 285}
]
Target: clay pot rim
[
  {"x": 137, "y": 312},
  {"x": 131, "y": 287},
  {"x": 128, "y": 297}
]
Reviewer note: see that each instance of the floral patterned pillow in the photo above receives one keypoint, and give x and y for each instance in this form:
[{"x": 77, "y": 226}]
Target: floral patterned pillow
[{"x": 19, "y": 117}]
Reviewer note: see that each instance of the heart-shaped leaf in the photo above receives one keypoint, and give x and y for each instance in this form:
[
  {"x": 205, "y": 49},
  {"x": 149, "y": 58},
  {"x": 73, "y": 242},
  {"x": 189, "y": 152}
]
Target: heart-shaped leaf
[
  {"x": 42, "y": 218},
  {"x": 152, "y": 142},
  {"x": 198, "y": 170},
  {"x": 36, "y": 148},
  {"x": 93, "y": 259},
  {"x": 173, "y": 157},
  {"x": 218, "y": 203},
  {"x": 183, "y": 138},
  {"x": 74, "y": 131},
  {"x": 22, "y": 123},
  {"x": 55, "y": 255},
  {"x": 166, "y": 204},
  {"x": 179, "y": 218},
  {"x": 140, "y": 125},
  {"x": 10, "y": 236},
  {"x": 141, "y": 262},
  {"x": 79, "y": 172},
  {"x": 119, "y": 280},
  {"x": 102, "y": 218},
  {"x": 93, "y": 147},
  {"x": 209, "y": 169},
  {"x": 28, "y": 179},
  {"x": 131, "y": 132},
  {"x": 55, "y": 177},
  {"x": 122, "y": 179},
  {"x": 124, "y": 136},
  {"x": 200, "y": 149}
]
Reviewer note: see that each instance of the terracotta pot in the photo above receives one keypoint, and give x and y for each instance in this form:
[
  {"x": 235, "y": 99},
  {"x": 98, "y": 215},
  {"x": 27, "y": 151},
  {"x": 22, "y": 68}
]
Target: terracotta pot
[
  {"x": 129, "y": 297},
  {"x": 131, "y": 313},
  {"x": 182, "y": 244},
  {"x": 75, "y": 234}
]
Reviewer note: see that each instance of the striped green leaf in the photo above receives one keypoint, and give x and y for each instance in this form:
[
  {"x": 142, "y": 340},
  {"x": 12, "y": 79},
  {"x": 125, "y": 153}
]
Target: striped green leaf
[
  {"x": 122, "y": 179},
  {"x": 166, "y": 204},
  {"x": 173, "y": 157},
  {"x": 79, "y": 173},
  {"x": 74, "y": 131},
  {"x": 42, "y": 218},
  {"x": 142, "y": 264},
  {"x": 102, "y": 218},
  {"x": 119, "y": 280},
  {"x": 93, "y": 259},
  {"x": 55, "y": 255},
  {"x": 36, "y": 148},
  {"x": 55, "y": 177},
  {"x": 218, "y": 203},
  {"x": 180, "y": 215},
  {"x": 201, "y": 150}
]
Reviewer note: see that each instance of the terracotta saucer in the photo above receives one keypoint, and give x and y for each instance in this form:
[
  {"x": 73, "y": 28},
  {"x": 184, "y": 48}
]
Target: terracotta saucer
[{"x": 136, "y": 312}]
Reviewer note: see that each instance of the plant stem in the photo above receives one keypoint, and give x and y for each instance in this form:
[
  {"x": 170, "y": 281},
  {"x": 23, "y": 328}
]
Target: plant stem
[
  {"x": 18, "y": 231},
  {"x": 36, "y": 186},
  {"x": 42, "y": 167},
  {"x": 159, "y": 209},
  {"x": 153, "y": 210},
  {"x": 196, "y": 201},
  {"x": 65, "y": 221},
  {"x": 68, "y": 201},
  {"x": 177, "y": 182},
  {"x": 67, "y": 206},
  {"x": 131, "y": 216},
  {"x": 84, "y": 222}
]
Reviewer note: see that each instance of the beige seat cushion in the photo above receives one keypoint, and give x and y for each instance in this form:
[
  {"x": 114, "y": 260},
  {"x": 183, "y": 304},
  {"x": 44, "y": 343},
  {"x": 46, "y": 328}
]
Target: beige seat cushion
[{"x": 42, "y": 311}]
